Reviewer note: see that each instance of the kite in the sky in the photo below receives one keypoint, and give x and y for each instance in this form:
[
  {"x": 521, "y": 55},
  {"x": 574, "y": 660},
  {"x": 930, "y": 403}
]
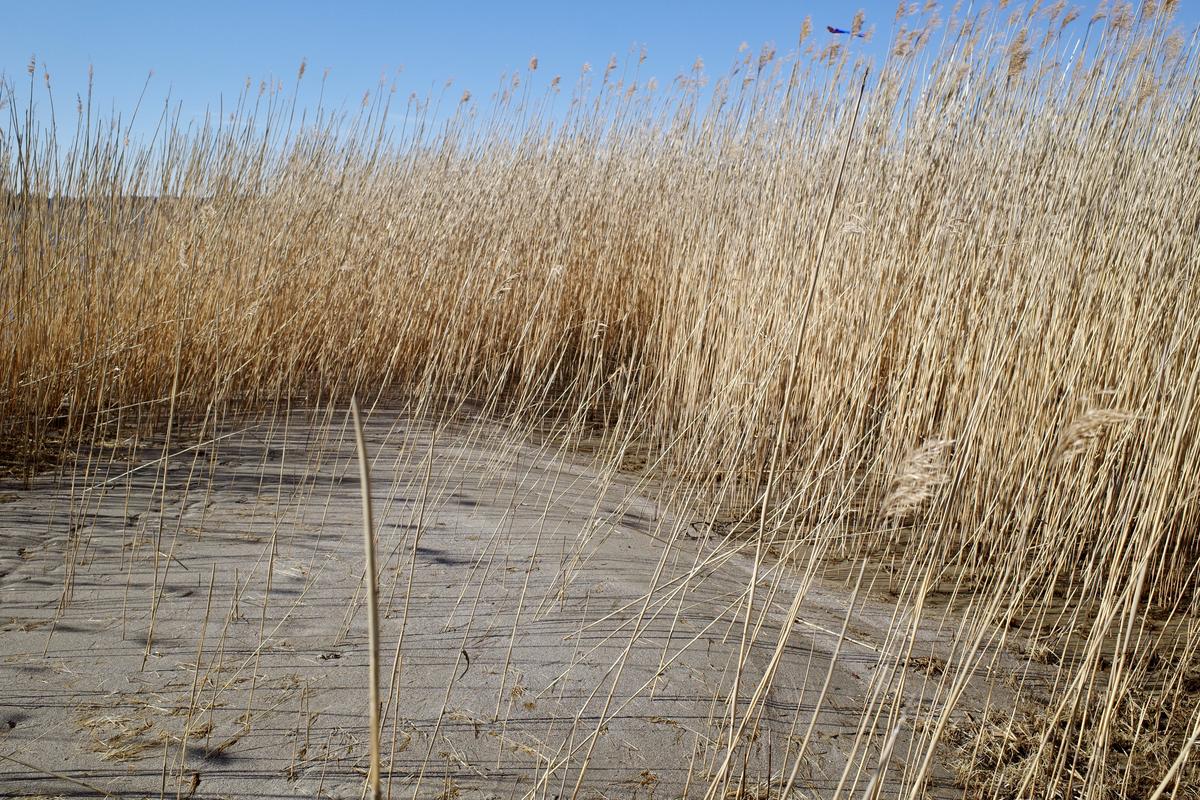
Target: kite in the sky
[{"x": 832, "y": 29}]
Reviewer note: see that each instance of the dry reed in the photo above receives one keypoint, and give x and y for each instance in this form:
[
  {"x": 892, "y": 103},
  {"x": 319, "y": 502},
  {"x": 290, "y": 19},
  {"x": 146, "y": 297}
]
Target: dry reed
[{"x": 1016, "y": 235}]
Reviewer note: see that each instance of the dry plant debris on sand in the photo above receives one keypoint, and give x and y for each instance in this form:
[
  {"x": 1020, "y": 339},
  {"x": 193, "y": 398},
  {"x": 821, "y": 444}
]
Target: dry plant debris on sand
[{"x": 553, "y": 626}]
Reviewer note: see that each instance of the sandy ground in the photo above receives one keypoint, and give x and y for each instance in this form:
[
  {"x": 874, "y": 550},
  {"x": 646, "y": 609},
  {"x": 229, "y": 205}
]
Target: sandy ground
[{"x": 200, "y": 631}]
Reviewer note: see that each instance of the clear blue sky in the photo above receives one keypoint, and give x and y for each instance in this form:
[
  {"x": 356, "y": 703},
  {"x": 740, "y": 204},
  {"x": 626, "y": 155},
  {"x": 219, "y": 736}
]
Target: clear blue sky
[{"x": 201, "y": 50}]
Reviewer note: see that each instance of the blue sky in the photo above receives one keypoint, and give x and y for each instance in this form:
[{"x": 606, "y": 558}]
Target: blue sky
[{"x": 199, "y": 51}]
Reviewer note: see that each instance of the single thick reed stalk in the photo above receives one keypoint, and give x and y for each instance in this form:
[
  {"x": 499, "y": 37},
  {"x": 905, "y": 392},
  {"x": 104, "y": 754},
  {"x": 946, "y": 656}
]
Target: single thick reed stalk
[{"x": 368, "y": 526}]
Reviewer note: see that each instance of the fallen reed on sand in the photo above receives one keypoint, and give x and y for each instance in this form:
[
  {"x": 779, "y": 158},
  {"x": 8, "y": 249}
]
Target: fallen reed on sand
[{"x": 996, "y": 388}]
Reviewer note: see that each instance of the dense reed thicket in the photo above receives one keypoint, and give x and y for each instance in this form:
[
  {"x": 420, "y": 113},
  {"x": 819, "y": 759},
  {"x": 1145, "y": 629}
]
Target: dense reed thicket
[{"x": 942, "y": 311}]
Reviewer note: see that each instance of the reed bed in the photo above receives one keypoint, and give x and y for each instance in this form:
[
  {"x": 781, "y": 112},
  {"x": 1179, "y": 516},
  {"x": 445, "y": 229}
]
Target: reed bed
[{"x": 935, "y": 315}]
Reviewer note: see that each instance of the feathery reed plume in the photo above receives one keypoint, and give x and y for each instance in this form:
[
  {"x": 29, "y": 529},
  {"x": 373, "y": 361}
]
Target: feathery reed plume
[
  {"x": 1120, "y": 18},
  {"x": 1018, "y": 54},
  {"x": 856, "y": 24},
  {"x": 922, "y": 471},
  {"x": 1085, "y": 431}
]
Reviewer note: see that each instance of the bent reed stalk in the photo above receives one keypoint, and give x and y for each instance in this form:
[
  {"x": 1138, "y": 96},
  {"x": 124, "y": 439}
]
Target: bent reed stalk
[{"x": 368, "y": 526}]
